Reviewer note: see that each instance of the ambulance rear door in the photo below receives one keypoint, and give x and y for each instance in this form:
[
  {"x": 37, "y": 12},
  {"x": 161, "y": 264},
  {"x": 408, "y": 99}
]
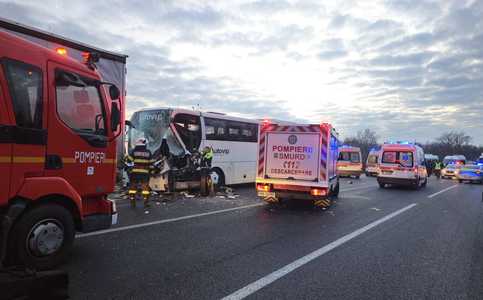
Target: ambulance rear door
[{"x": 292, "y": 156}]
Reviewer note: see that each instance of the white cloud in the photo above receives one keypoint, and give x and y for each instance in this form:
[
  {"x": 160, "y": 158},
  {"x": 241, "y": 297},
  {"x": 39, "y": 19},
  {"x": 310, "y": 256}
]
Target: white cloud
[{"x": 384, "y": 64}]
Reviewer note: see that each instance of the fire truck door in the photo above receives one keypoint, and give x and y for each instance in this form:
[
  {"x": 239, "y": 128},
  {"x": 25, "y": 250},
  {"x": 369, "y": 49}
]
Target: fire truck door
[
  {"x": 5, "y": 145},
  {"x": 24, "y": 87},
  {"x": 77, "y": 142}
]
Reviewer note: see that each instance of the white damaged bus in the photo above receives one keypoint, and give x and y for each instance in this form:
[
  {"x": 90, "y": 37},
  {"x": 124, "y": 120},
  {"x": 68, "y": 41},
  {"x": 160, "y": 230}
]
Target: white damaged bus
[{"x": 187, "y": 132}]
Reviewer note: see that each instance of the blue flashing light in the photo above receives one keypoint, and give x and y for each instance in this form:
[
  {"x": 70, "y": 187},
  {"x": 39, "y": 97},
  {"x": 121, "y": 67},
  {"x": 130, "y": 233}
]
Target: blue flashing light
[{"x": 399, "y": 142}]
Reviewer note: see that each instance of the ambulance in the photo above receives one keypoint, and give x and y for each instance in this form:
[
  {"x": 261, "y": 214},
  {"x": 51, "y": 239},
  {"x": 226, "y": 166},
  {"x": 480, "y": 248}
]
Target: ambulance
[
  {"x": 372, "y": 162},
  {"x": 349, "y": 162},
  {"x": 402, "y": 163},
  {"x": 297, "y": 162}
]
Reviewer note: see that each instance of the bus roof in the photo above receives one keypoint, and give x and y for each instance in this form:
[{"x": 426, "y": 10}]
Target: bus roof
[{"x": 216, "y": 115}]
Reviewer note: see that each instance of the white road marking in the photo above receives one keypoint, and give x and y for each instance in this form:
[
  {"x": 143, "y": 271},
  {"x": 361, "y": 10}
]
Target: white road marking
[
  {"x": 270, "y": 278},
  {"x": 442, "y": 191},
  {"x": 167, "y": 220},
  {"x": 358, "y": 188}
]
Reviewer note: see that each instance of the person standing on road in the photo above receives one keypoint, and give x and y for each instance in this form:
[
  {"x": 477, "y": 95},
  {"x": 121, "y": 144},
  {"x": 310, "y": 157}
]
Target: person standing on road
[
  {"x": 437, "y": 169},
  {"x": 139, "y": 175},
  {"x": 206, "y": 157}
]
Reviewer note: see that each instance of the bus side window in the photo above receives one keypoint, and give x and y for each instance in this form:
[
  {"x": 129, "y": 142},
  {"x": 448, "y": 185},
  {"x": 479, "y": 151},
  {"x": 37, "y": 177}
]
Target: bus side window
[
  {"x": 215, "y": 129},
  {"x": 189, "y": 129}
]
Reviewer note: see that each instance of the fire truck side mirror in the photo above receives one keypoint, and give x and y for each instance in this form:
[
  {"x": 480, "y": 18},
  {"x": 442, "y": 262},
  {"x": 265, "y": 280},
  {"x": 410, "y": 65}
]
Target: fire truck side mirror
[
  {"x": 115, "y": 117},
  {"x": 114, "y": 92}
]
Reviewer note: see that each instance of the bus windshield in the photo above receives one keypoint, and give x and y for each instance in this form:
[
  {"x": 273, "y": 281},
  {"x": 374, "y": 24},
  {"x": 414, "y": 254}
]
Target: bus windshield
[{"x": 153, "y": 125}]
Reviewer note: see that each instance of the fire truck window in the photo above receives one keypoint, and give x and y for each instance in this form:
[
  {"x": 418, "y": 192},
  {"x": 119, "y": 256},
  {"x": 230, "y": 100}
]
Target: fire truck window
[
  {"x": 25, "y": 86},
  {"x": 189, "y": 129},
  {"x": 81, "y": 108}
]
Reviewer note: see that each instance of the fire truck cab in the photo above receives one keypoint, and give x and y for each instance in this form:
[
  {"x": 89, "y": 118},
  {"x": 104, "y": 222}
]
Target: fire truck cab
[{"x": 59, "y": 120}]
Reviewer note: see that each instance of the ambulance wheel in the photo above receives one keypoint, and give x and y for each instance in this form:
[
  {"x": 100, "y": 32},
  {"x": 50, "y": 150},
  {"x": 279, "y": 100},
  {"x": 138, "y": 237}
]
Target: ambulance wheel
[{"x": 43, "y": 237}]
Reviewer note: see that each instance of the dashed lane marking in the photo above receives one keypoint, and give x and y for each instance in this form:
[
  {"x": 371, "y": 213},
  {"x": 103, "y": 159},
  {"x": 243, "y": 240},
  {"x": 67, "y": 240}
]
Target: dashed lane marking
[
  {"x": 442, "y": 191},
  {"x": 270, "y": 278}
]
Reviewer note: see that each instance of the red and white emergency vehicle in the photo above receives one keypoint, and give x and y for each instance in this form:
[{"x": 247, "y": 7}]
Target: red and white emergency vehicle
[
  {"x": 297, "y": 162},
  {"x": 402, "y": 163},
  {"x": 61, "y": 111},
  {"x": 349, "y": 162},
  {"x": 372, "y": 162}
]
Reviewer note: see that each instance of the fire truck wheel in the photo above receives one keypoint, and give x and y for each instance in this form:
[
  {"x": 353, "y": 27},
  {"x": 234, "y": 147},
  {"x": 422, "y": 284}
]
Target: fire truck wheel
[
  {"x": 335, "y": 192},
  {"x": 43, "y": 237}
]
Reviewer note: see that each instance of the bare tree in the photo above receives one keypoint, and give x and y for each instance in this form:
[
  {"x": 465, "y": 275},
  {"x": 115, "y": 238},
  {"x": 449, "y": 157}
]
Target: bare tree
[
  {"x": 454, "y": 139},
  {"x": 364, "y": 139}
]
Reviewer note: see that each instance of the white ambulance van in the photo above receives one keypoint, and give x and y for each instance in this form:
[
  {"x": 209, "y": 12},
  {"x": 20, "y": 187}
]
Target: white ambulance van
[
  {"x": 297, "y": 162},
  {"x": 349, "y": 163},
  {"x": 372, "y": 162},
  {"x": 402, "y": 163}
]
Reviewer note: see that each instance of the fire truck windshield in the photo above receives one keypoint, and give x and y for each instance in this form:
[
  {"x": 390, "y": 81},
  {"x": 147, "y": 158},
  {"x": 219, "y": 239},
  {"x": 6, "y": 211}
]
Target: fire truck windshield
[{"x": 153, "y": 125}]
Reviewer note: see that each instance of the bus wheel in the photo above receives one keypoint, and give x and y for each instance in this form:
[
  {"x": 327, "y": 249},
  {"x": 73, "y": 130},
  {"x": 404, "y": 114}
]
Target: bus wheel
[
  {"x": 43, "y": 237},
  {"x": 218, "y": 178}
]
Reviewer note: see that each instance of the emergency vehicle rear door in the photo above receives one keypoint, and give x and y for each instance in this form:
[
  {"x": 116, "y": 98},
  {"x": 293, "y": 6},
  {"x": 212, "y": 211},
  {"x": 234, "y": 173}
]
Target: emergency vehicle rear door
[
  {"x": 5, "y": 144},
  {"x": 77, "y": 141}
]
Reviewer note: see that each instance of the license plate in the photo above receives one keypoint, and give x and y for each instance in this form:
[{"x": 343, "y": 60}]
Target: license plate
[
  {"x": 387, "y": 172},
  {"x": 266, "y": 194}
]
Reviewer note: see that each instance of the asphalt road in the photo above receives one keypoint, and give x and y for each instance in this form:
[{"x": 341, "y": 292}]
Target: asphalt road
[{"x": 372, "y": 243}]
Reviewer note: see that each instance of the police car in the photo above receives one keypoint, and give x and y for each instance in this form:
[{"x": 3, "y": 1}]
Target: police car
[{"x": 470, "y": 173}]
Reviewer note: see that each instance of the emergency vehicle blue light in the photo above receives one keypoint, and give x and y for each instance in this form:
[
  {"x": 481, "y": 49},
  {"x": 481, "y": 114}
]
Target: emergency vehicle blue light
[{"x": 399, "y": 142}]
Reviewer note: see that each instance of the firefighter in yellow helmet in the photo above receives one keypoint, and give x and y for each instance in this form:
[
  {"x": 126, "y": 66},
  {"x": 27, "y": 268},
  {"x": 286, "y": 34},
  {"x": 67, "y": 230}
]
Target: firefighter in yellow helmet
[{"x": 139, "y": 175}]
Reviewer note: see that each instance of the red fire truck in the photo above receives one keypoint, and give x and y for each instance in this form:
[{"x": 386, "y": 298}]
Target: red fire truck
[{"x": 61, "y": 112}]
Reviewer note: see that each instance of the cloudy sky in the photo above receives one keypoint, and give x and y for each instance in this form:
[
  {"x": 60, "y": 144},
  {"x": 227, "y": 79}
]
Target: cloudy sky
[{"x": 409, "y": 69}]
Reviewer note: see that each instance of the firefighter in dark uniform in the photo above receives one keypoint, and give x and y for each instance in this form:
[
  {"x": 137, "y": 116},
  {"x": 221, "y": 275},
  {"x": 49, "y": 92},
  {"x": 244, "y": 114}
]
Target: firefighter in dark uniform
[{"x": 139, "y": 175}]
